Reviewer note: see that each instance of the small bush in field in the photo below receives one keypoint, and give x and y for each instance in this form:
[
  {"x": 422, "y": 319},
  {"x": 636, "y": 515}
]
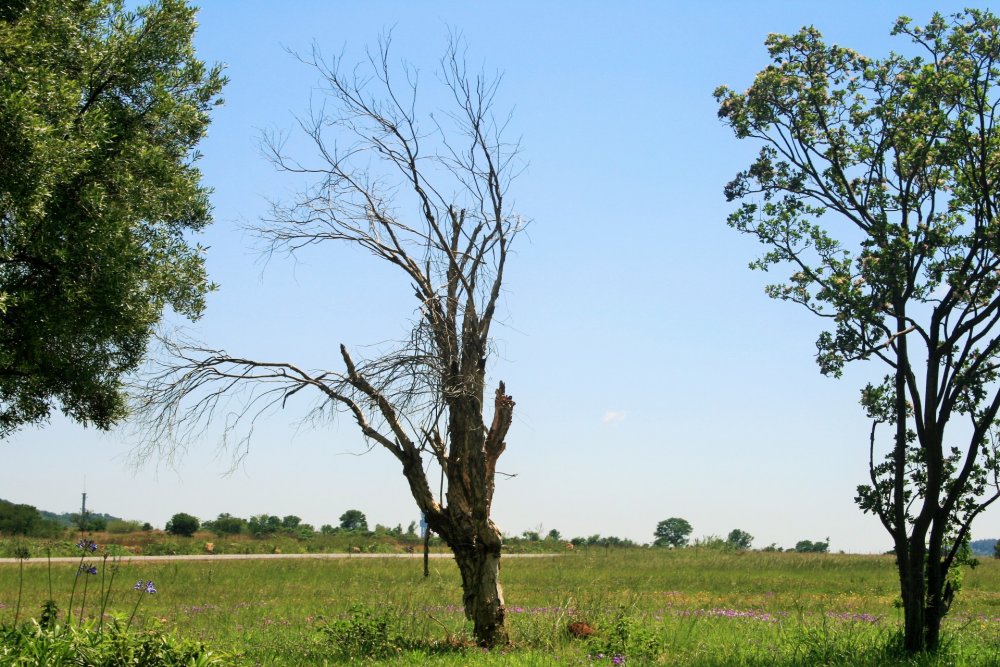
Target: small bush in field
[
  {"x": 121, "y": 527},
  {"x": 364, "y": 631},
  {"x": 65, "y": 645}
]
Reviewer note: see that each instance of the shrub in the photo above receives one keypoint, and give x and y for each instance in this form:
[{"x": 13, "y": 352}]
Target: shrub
[
  {"x": 226, "y": 524},
  {"x": 121, "y": 527},
  {"x": 364, "y": 632},
  {"x": 182, "y": 524},
  {"x": 66, "y": 645}
]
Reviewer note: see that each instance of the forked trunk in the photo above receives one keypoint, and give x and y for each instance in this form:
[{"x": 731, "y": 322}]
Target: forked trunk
[{"x": 482, "y": 595}]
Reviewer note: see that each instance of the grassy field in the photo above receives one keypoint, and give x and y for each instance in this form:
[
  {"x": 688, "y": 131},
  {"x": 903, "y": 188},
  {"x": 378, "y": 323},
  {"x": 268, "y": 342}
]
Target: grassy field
[{"x": 648, "y": 606}]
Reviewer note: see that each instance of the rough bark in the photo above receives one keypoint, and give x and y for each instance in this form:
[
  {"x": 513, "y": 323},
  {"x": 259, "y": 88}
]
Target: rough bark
[{"x": 478, "y": 558}]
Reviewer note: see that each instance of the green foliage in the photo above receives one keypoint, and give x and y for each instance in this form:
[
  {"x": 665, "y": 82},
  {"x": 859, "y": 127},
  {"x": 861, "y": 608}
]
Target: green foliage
[
  {"x": 903, "y": 151},
  {"x": 100, "y": 111},
  {"x": 123, "y": 527},
  {"x": 353, "y": 520},
  {"x": 739, "y": 539},
  {"x": 808, "y": 546},
  {"x": 700, "y": 608},
  {"x": 672, "y": 532},
  {"x": 49, "y": 615},
  {"x": 18, "y": 519},
  {"x": 263, "y": 524},
  {"x": 628, "y": 637},
  {"x": 364, "y": 632},
  {"x": 89, "y": 522},
  {"x": 226, "y": 524},
  {"x": 182, "y": 524},
  {"x": 26, "y": 520},
  {"x": 62, "y": 646}
]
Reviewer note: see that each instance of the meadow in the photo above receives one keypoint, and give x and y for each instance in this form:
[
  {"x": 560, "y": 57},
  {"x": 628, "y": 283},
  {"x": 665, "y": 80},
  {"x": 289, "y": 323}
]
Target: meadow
[{"x": 646, "y": 607}]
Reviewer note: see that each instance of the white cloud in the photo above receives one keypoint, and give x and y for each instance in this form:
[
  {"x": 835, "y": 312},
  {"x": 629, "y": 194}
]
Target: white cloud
[{"x": 612, "y": 416}]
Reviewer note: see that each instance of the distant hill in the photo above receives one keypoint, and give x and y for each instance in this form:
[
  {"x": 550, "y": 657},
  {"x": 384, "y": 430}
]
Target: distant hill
[
  {"x": 69, "y": 518},
  {"x": 983, "y": 547}
]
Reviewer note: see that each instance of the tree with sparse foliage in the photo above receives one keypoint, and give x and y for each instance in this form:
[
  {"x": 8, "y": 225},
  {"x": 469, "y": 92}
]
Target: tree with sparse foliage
[
  {"x": 739, "y": 539},
  {"x": 672, "y": 532},
  {"x": 100, "y": 112},
  {"x": 904, "y": 154},
  {"x": 428, "y": 196},
  {"x": 182, "y": 524}
]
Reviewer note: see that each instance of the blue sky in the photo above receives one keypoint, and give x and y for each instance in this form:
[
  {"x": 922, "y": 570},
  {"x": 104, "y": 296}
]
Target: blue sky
[{"x": 653, "y": 378}]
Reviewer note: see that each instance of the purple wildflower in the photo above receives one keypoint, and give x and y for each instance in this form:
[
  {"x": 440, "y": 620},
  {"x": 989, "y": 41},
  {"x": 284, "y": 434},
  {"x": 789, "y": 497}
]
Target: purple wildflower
[
  {"x": 87, "y": 545},
  {"x": 856, "y": 618},
  {"x": 86, "y": 570},
  {"x": 144, "y": 586}
]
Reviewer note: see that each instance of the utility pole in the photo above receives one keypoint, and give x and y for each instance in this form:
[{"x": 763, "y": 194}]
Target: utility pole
[{"x": 83, "y": 512}]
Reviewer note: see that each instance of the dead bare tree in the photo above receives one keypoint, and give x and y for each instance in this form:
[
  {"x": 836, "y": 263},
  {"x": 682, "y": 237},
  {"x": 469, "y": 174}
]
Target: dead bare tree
[{"x": 430, "y": 201}]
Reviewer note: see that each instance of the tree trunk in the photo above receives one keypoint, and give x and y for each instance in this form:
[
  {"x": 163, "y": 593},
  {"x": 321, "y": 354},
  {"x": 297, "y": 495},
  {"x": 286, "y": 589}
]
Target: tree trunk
[
  {"x": 936, "y": 606},
  {"x": 913, "y": 584},
  {"x": 479, "y": 564}
]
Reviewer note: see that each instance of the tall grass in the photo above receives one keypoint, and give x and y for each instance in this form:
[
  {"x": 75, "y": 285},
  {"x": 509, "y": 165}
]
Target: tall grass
[{"x": 647, "y": 606}]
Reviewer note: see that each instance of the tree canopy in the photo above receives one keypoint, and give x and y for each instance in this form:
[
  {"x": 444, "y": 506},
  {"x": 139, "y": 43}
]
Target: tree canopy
[
  {"x": 672, "y": 532},
  {"x": 100, "y": 110},
  {"x": 353, "y": 520},
  {"x": 183, "y": 524},
  {"x": 739, "y": 539}
]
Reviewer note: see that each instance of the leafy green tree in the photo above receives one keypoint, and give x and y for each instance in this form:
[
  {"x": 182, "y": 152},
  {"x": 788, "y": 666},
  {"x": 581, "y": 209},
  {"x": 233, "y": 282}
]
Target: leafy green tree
[
  {"x": 553, "y": 535},
  {"x": 817, "y": 547},
  {"x": 739, "y": 539},
  {"x": 263, "y": 524},
  {"x": 903, "y": 155},
  {"x": 353, "y": 520},
  {"x": 226, "y": 524},
  {"x": 182, "y": 524},
  {"x": 100, "y": 110},
  {"x": 672, "y": 532},
  {"x": 996, "y": 549},
  {"x": 89, "y": 521},
  {"x": 290, "y": 522},
  {"x": 18, "y": 519}
]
